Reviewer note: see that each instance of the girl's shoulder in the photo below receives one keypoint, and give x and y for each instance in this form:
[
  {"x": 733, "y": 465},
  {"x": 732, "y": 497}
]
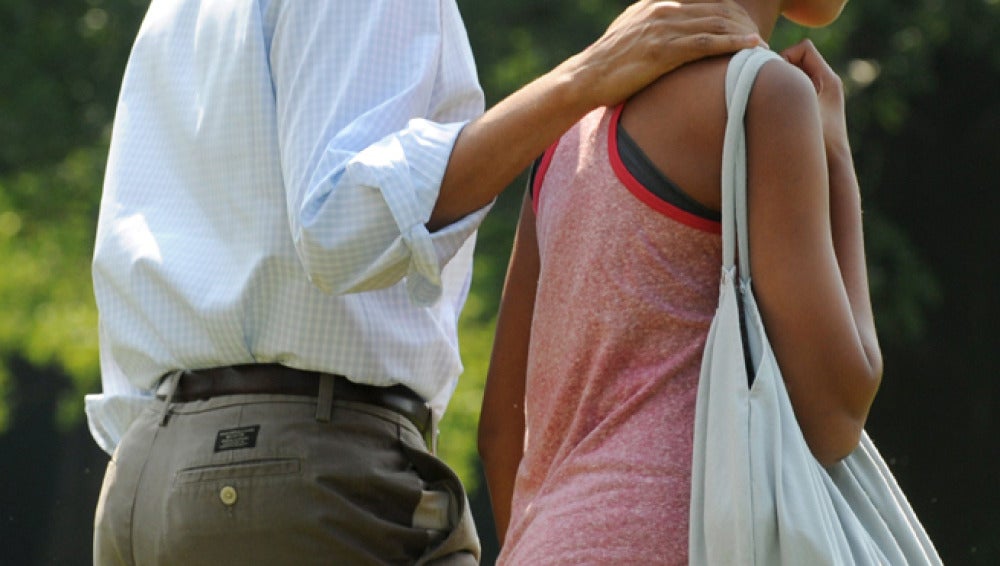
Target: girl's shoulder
[
  {"x": 679, "y": 122},
  {"x": 686, "y": 100},
  {"x": 782, "y": 88},
  {"x": 691, "y": 100}
]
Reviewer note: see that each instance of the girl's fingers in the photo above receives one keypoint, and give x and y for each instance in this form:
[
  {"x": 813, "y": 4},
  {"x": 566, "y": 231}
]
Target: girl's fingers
[
  {"x": 829, "y": 89},
  {"x": 805, "y": 56}
]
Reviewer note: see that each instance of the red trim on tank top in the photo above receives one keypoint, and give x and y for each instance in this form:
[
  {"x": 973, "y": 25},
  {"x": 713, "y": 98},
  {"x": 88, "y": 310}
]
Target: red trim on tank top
[
  {"x": 543, "y": 167},
  {"x": 645, "y": 195}
]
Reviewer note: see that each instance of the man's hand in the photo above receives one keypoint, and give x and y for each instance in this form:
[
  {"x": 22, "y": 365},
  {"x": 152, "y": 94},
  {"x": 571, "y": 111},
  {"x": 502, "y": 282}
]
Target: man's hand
[
  {"x": 652, "y": 38},
  {"x": 647, "y": 40}
]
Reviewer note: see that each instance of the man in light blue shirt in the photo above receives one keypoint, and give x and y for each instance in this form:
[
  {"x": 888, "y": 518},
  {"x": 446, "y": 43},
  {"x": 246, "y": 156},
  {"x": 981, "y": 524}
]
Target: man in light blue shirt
[{"x": 284, "y": 246}]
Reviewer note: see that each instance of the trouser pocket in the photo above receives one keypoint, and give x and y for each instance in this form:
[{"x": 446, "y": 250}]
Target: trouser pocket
[
  {"x": 443, "y": 510},
  {"x": 114, "y": 521}
]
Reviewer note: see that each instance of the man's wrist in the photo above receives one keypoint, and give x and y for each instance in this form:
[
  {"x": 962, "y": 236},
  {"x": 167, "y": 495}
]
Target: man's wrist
[{"x": 573, "y": 85}]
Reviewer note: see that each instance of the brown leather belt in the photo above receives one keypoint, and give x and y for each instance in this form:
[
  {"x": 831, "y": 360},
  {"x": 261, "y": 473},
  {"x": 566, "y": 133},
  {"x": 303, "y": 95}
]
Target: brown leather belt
[{"x": 277, "y": 379}]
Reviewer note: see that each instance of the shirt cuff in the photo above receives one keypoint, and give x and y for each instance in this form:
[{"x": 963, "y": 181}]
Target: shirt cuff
[
  {"x": 110, "y": 416},
  {"x": 407, "y": 168}
]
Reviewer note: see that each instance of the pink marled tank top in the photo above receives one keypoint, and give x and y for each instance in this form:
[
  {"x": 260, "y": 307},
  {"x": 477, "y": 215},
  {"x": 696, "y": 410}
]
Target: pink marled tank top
[{"x": 627, "y": 290}]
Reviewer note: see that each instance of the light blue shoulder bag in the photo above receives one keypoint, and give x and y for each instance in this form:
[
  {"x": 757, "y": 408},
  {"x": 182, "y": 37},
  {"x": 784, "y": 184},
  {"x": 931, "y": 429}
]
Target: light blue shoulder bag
[{"x": 758, "y": 495}]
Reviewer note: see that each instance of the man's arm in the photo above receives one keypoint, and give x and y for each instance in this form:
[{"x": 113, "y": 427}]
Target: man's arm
[
  {"x": 649, "y": 39},
  {"x": 369, "y": 98},
  {"x": 385, "y": 179}
]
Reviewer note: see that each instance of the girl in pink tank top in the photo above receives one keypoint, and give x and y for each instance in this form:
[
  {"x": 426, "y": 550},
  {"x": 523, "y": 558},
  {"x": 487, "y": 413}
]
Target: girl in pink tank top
[
  {"x": 587, "y": 421},
  {"x": 626, "y": 291}
]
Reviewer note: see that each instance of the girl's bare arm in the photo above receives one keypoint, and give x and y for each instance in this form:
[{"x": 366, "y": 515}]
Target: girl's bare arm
[
  {"x": 501, "y": 423},
  {"x": 807, "y": 256}
]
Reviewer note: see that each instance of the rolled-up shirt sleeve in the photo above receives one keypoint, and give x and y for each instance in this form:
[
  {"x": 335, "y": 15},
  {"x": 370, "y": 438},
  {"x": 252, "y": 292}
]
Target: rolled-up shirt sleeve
[{"x": 369, "y": 104}]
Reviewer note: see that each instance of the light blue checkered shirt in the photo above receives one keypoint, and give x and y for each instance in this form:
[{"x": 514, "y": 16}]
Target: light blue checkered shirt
[{"x": 272, "y": 166}]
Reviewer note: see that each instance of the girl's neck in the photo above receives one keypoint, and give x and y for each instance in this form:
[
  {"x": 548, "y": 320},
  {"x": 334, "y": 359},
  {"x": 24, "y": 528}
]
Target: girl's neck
[{"x": 764, "y": 13}]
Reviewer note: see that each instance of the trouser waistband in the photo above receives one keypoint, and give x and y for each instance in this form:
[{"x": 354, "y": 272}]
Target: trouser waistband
[{"x": 276, "y": 379}]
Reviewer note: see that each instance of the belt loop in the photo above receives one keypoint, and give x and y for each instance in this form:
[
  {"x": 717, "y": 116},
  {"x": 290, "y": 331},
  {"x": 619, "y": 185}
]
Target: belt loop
[
  {"x": 433, "y": 432},
  {"x": 172, "y": 380},
  {"x": 324, "y": 400}
]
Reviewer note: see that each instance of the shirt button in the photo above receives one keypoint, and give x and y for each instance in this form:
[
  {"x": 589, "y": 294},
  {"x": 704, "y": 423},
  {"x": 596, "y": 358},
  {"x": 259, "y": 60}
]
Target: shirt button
[{"x": 228, "y": 495}]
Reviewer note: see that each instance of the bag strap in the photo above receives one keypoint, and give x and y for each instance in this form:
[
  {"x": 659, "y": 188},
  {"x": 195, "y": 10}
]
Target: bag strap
[{"x": 740, "y": 76}]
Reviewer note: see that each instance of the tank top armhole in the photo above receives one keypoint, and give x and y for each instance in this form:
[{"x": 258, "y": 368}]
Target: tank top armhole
[
  {"x": 538, "y": 171},
  {"x": 643, "y": 193}
]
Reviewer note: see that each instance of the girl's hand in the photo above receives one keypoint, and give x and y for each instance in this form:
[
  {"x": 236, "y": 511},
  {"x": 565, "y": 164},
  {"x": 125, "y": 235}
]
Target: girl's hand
[
  {"x": 829, "y": 89},
  {"x": 652, "y": 38}
]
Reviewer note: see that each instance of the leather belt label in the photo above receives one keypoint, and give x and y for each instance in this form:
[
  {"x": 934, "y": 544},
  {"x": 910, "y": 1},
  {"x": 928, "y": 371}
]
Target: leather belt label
[{"x": 236, "y": 438}]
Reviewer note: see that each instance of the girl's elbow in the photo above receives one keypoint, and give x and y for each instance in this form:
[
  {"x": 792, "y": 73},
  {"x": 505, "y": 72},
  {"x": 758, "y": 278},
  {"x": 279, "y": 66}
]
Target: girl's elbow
[
  {"x": 870, "y": 369},
  {"x": 875, "y": 377},
  {"x": 838, "y": 441},
  {"x": 838, "y": 434}
]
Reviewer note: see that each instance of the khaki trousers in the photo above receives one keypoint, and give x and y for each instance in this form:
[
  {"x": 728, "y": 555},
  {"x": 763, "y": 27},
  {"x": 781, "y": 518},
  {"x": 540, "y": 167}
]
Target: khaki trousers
[{"x": 271, "y": 480}]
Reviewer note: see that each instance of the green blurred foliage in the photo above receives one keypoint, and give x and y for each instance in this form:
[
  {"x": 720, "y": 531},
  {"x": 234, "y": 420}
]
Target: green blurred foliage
[
  {"x": 63, "y": 61},
  {"x": 45, "y": 239}
]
